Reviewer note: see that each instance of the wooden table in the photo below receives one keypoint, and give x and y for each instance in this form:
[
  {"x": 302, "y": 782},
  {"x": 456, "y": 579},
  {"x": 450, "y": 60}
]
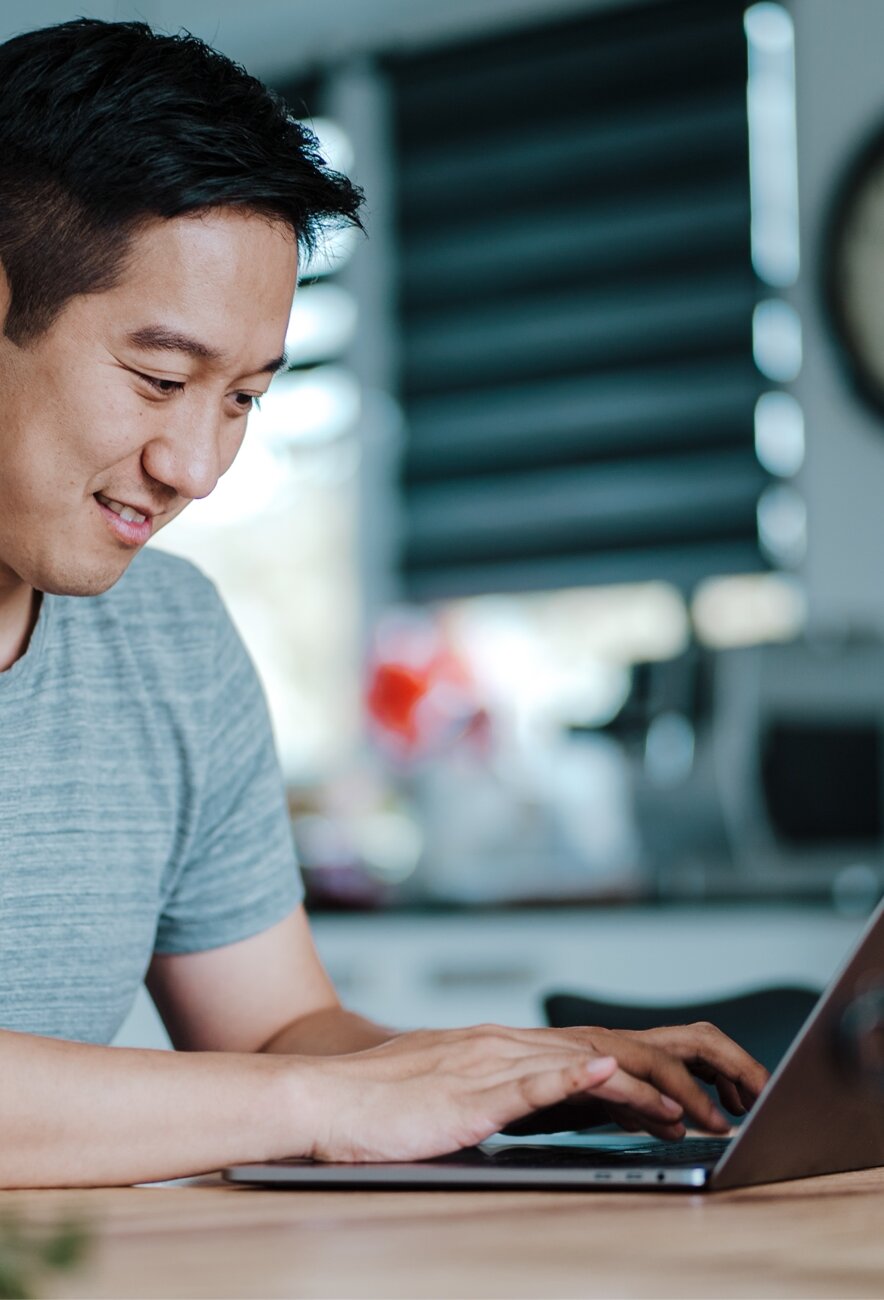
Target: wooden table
[{"x": 820, "y": 1237}]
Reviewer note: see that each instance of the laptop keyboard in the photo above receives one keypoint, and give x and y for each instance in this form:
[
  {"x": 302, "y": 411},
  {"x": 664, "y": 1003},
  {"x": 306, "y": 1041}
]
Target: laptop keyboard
[
  {"x": 690, "y": 1151},
  {"x": 526, "y": 1155}
]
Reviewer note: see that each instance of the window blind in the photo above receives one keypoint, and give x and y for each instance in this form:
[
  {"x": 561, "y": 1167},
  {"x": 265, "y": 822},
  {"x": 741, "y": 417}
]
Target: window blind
[{"x": 575, "y": 299}]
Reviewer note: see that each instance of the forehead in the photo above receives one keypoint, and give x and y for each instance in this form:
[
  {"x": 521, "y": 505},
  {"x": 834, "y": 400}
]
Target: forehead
[
  {"x": 225, "y": 276},
  {"x": 218, "y": 243}
]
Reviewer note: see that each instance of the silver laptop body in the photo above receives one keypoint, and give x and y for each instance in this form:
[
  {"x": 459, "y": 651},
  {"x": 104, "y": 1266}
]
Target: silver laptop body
[{"x": 822, "y": 1112}]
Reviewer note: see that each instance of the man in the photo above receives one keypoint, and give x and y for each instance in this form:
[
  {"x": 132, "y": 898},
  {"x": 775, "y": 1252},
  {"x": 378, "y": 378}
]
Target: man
[{"x": 153, "y": 199}]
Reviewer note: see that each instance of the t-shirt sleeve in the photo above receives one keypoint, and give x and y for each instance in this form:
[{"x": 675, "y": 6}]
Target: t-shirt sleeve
[{"x": 240, "y": 874}]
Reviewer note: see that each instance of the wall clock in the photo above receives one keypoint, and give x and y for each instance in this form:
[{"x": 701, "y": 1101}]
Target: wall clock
[{"x": 853, "y": 265}]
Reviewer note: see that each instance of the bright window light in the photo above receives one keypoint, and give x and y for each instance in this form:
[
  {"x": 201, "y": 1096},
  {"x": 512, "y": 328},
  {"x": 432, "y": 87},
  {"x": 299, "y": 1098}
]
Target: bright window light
[
  {"x": 779, "y": 434},
  {"x": 773, "y": 150},
  {"x": 306, "y": 408},
  {"x": 776, "y": 340},
  {"x": 748, "y": 609},
  {"x": 335, "y": 144},
  {"x": 782, "y": 525},
  {"x": 333, "y": 251},
  {"x": 335, "y": 247},
  {"x": 321, "y": 325}
]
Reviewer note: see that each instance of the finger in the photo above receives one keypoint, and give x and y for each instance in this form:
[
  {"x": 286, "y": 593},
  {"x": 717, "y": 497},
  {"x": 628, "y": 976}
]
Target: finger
[
  {"x": 730, "y": 1096},
  {"x": 645, "y": 1102},
  {"x": 668, "y": 1132},
  {"x": 747, "y": 1097},
  {"x": 633, "y": 1123},
  {"x": 728, "y": 1092},
  {"x": 673, "y": 1078},
  {"x": 510, "y": 1099},
  {"x": 704, "y": 1044},
  {"x": 566, "y": 1116},
  {"x": 665, "y": 1094},
  {"x": 540, "y": 1063},
  {"x": 623, "y": 1116},
  {"x": 654, "y": 1068}
]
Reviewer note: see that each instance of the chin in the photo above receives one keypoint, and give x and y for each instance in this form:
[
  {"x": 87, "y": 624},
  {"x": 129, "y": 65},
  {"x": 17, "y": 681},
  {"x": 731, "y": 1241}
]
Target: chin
[{"x": 71, "y": 580}]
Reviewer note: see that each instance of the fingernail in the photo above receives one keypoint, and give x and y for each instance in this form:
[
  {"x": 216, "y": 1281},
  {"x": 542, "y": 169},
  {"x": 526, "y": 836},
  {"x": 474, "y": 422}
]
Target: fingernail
[
  {"x": 671, "y": 1107},
  {"x": 600, "y": 1064}
]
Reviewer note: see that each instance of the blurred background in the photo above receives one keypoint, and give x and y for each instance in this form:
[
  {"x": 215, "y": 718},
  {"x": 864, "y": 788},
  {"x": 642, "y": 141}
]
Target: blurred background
[{"x": 558, "y": 546}]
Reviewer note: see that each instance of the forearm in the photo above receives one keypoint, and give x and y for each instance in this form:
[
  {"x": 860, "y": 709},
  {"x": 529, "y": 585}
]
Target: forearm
[
  {"x": 332, "y": 1031},
  {"x": 73, "y": 1114}
]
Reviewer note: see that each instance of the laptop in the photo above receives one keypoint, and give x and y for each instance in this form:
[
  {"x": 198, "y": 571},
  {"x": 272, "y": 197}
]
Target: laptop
[{"x": 821, "y": 1112}]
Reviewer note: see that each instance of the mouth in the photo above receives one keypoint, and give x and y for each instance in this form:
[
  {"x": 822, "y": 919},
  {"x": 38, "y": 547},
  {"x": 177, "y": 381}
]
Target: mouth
[
  {"x": 132, "y": 514},
  {"x": 129, "y": 524}
]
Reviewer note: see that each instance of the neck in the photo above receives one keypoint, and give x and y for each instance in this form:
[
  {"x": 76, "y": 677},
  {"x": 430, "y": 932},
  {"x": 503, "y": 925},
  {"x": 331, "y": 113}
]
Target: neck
[{"x": 19, "y": 608}]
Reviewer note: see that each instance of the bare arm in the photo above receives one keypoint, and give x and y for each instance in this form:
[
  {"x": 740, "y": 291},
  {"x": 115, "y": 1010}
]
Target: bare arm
[
  {"x": 269, "y": 993},
  {"x": 73, "y": 1114},
  {"x": 77, "y": 1115},
  {"x": 329, "y": 1032}
]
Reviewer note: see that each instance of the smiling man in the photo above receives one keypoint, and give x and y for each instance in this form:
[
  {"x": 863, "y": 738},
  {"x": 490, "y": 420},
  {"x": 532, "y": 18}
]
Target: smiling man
[{"x": 153, "y": 202}]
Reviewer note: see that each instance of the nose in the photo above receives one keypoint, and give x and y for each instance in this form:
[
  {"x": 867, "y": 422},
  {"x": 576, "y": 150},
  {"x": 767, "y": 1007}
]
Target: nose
[{"x": 186, "y": 455}]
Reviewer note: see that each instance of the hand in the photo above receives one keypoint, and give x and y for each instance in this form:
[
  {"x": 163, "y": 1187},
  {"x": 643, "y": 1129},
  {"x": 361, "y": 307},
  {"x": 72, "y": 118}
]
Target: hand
[
  {"x": 667, "y": 1058},
  {"x": 429, "y": 1092}
]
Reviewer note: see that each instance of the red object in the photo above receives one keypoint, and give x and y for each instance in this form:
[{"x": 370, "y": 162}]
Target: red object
[
  {"x": 420, "y": 694},
  {"x": 393, "y": 695}
]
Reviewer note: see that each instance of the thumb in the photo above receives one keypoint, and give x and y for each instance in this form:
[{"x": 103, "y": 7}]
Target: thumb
[{"x": 599, "y": 1070}]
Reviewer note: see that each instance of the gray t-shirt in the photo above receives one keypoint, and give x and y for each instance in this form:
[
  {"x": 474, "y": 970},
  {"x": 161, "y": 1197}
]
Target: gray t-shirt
[{"x": 142, "y": 808}]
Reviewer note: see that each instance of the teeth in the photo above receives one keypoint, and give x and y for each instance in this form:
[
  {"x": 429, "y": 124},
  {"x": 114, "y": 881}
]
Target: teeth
[{"x": 125, "y": 512}]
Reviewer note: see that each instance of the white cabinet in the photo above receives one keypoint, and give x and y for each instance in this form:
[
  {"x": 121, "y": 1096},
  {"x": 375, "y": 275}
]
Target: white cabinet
[{"x": 466, "y": 968}]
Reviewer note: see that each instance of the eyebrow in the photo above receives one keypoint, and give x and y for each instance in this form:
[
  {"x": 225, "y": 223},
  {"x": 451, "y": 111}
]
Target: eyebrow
[{"x": 159, "y": 338}]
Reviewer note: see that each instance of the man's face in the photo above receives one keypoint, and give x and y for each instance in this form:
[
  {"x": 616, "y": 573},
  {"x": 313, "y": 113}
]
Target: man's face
[{"x": 102, "y": 411}]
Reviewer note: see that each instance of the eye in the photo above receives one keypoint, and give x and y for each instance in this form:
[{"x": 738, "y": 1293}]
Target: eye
[
  {"x": 246, "y": 401},
  {"x": 165, "y": 386}
]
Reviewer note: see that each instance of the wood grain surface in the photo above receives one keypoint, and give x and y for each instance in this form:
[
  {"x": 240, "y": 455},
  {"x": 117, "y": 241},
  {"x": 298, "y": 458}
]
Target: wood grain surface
[{"x": 821, "y": 1237}]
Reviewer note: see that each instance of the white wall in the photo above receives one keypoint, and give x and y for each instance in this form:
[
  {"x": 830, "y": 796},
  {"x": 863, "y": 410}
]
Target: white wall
[{"x": 840, "y": 93}]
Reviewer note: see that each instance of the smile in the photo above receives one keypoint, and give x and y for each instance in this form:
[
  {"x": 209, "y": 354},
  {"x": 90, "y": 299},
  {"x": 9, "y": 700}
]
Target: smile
[
  {"x": 129, "y": 513},
  {"x": 130, "y": 526}
]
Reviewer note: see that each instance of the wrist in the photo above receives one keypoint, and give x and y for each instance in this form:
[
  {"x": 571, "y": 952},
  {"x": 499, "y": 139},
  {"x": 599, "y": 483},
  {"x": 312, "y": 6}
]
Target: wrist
[{"x": 294, "y": 1107}]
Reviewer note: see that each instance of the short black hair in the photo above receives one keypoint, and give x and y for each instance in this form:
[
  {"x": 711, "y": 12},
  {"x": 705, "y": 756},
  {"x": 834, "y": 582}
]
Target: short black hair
[{"x": 105, "y": 125}]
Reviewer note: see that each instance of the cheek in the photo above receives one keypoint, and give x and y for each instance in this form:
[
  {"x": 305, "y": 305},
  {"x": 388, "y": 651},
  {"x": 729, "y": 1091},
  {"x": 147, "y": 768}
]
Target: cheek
[
  {"x": 230, "y": 444},
  {"x": 113, "y": 428},
  {"x": 90, "y": 427}
]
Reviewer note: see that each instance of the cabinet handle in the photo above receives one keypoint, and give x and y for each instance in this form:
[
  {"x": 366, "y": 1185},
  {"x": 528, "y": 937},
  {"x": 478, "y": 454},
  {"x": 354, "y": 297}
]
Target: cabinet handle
[{"x": 452, "y": 977}]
